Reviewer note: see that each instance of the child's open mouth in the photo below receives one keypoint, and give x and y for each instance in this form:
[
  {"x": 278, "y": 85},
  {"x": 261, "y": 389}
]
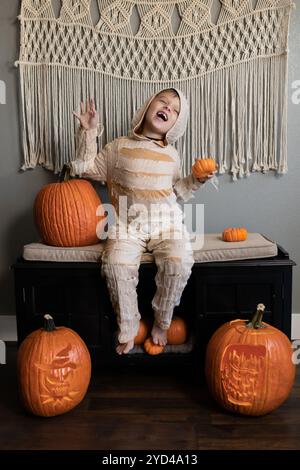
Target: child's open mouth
[{"x": 161, "y": 115}]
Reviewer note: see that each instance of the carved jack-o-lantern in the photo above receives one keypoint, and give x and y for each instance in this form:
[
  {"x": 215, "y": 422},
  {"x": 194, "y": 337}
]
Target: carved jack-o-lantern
[
  {"x": 54, "y": 370},
  {"x": 249, "y": 367}
]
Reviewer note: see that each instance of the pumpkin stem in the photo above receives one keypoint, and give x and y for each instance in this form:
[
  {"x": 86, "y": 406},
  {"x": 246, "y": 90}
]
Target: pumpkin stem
[
  {"x": 65, "y": 173},
  {"x": 49, "y": 323},
  {"x": 256, "y": 321}
]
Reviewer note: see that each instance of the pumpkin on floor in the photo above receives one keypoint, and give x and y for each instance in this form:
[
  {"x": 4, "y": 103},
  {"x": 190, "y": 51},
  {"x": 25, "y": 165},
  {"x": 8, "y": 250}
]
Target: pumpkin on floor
[
  {"x": 234, "y": 234},
  {"x": 54, "y": 370},
  {"x": 248, "y": 367},
  {"x": 143, "y": 331},
  {"x": 177, "y": 333},
  {"x": 203, "y": 167},
  {"x": 152, "y": 348},
  {"x": 65, "y": 213}
]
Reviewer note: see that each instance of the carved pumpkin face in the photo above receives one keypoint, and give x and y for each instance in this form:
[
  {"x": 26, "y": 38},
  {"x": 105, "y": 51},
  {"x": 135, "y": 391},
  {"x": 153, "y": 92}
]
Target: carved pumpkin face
[
  {"x": 249, "y": 371},
  {"x": 54, "y": 370},
  {"x": 243, "y": 370},
  {"x": 57, "y": 377}
]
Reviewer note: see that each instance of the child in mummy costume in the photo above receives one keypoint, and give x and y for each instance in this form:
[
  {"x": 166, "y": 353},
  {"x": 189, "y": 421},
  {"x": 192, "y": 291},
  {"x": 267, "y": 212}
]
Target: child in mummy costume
[{"x": 143, "y": 168}]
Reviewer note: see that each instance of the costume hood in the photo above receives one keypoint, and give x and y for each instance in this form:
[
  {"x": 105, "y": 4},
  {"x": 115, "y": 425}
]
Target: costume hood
[{"x": 176, "y": 131}]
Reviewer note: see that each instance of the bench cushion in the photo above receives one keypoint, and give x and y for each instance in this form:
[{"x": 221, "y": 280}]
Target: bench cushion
[{"x": 213, "y": 249}]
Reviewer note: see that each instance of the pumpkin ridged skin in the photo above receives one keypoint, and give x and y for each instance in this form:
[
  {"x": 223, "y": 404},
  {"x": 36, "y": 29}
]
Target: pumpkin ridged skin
[
  {"x": 203, "y": 167},
  {"x": 177, "y": 333},
  {"x": 65, "y": 213},
  {"x": 54, "y": 371},
  {"x": 151, "y": 348},
  {"x": 231, "y": 234},
  {"x": 265, "y": 354},
  {"x": 143, "y": 331}
]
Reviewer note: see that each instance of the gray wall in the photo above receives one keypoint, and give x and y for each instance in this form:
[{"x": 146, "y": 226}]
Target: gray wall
[{"x": 263, "y": 203}]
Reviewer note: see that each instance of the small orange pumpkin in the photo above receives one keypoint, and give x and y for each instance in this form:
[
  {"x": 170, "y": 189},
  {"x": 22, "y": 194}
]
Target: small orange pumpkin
[
  {"x": 234, "y": 234},
  {"x": 177, "y": 333},
  {"x": 143, "y": 331},
  {"x": 203, "y": 167},
  {"x": 54, "y": 370},
  {"x": 248, "y": 366},
  {"x": 152, "y": 348},
  {"x": 65, "y": 212}
]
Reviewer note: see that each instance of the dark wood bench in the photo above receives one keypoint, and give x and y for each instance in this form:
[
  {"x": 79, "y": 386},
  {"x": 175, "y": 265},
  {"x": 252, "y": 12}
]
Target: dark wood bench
[{"x": 77, "y": 297}]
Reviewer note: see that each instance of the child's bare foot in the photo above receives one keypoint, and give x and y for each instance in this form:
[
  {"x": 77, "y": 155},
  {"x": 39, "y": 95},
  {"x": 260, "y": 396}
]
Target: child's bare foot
[
  {"x": 159, "y": 336},
  {"x": 124, "y": 348}
]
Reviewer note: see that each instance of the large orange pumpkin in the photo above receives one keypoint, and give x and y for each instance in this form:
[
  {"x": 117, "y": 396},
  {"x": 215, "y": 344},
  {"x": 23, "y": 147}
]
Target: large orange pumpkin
[
  {"x": 177, "y": 333},
  {"x": 54, "y": 370},
  {"x": 203, "y": 167},
  {"x": 65, "y": 213},
  {"x": 249, "y": 368}
]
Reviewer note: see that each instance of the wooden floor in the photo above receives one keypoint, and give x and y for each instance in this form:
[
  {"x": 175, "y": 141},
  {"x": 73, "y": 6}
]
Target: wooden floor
[{"x": 144, "y": 408}]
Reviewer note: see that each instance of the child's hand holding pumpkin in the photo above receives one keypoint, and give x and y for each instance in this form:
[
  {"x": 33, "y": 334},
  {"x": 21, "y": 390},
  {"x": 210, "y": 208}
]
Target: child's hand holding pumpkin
[
  {"x": 204, "y": 169},
  {"x": 206, "y": 177}
]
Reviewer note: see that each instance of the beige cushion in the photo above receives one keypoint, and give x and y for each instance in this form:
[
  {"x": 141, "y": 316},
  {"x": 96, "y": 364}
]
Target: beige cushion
[{"x": 213, "y": 249}]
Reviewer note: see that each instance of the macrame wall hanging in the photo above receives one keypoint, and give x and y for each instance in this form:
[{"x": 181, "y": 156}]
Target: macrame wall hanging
[{"x": 233, "y": 72}]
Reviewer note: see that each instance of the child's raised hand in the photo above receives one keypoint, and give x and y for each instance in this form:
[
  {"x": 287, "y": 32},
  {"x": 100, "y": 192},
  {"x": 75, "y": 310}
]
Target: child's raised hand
[{"x": 88, "y": 117}]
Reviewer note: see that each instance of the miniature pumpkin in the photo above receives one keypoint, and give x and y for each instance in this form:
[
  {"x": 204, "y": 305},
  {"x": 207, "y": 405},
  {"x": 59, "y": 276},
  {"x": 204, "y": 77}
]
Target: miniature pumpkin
[
  {"x": 54, "y": 370},
  {"x": 152, "y": 348},
  {"x": 203, "y": 167},
  {"x": 143, "y": 331},
  {"x": 234, "y": 234},
  {"x": 177, "y": 333},
  {"x": 65, "y": 213},
  {"x": 248, "y": 367}
]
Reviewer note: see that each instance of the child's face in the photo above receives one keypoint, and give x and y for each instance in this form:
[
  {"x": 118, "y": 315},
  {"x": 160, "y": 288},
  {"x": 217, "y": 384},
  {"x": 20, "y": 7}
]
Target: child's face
[{"x": 162, "y": 113}]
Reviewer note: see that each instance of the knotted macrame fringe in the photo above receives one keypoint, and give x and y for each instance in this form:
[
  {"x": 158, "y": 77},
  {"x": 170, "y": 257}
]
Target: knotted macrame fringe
[
  {"x": 237, "y": 114},
  {"x": 233, "y": 72}
]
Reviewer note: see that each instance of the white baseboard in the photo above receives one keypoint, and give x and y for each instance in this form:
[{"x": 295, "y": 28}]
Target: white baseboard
[
  {"x": 296, "y": 326},
  {"x": 8, "y": 327}
]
